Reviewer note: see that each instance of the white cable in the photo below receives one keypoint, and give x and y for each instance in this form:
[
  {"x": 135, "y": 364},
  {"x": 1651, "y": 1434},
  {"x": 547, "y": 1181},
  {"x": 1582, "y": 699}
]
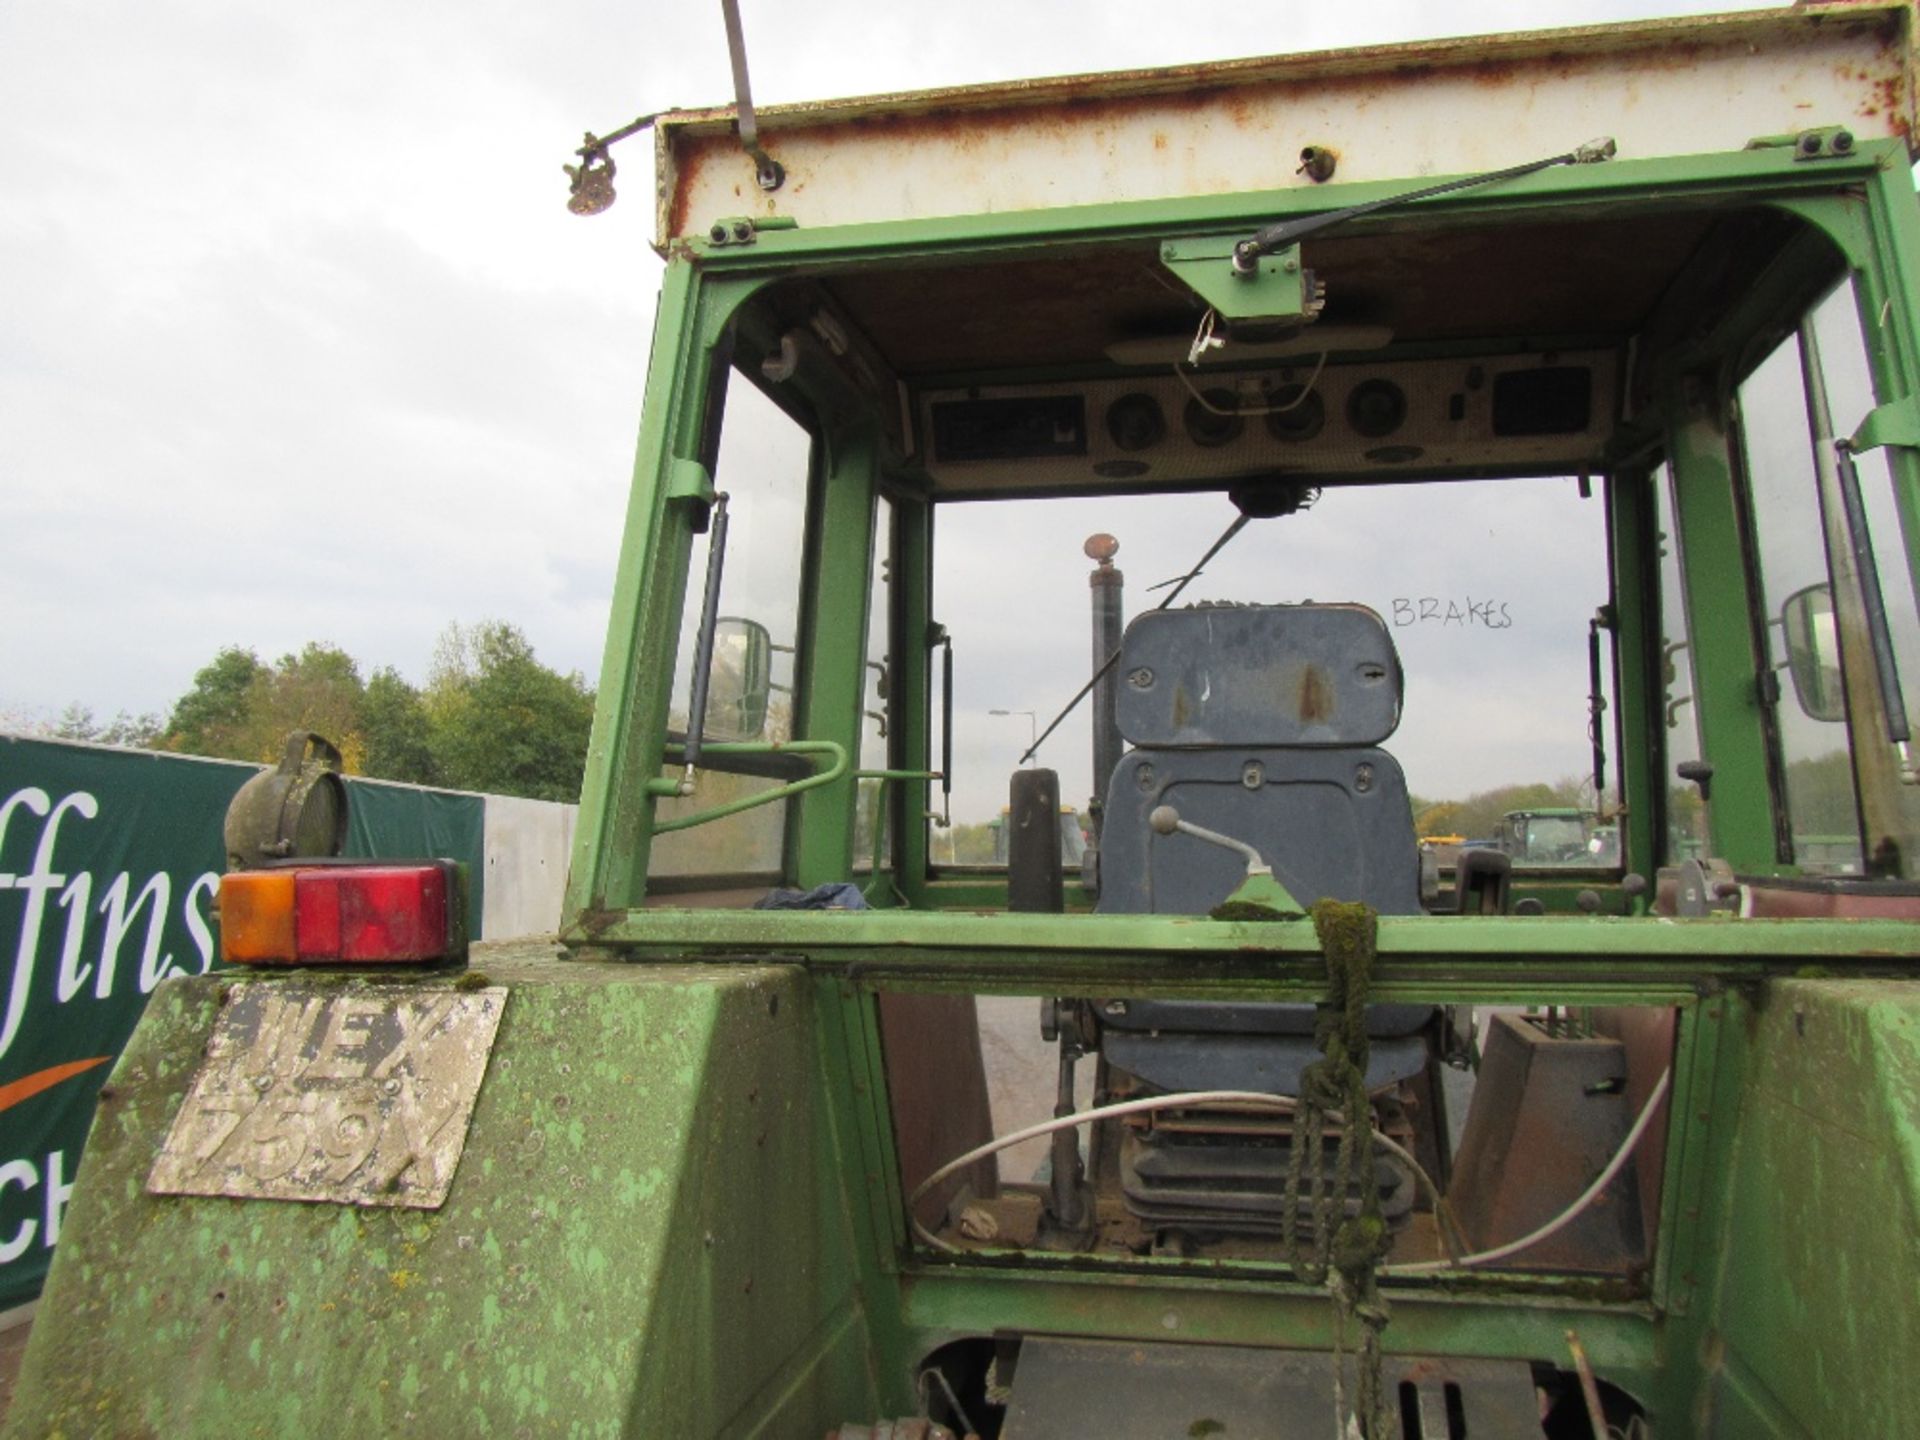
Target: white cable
[
  {"x": 1298, "y": 400},
  {"x": 1287, "y": 1104},
  {"x": 1183, "y": 1100},
  {"x": 1203, "y": 339},
  {"x": 926, "y": 1398},
  {"x": 1565, "y": 1217}
]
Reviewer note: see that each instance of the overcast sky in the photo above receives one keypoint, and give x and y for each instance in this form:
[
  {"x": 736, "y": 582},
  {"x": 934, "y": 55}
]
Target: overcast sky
[{"x": 298, "y": 341}]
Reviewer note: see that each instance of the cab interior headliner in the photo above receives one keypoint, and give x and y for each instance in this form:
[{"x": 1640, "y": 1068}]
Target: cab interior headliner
[{"x": 1537, "y": 283}]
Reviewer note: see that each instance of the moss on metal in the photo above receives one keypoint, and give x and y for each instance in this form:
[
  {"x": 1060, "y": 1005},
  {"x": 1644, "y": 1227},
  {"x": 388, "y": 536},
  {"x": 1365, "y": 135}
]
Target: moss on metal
[
  {"x": 1814, "y": 1319},
  {"x": 646, "y": 1236}
]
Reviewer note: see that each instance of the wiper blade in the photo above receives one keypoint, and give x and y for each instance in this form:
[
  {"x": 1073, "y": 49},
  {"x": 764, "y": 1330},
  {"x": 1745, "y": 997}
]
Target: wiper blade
[
  {"x": 1282, "y": 233},
  {"x": 1239, "y": 524}
]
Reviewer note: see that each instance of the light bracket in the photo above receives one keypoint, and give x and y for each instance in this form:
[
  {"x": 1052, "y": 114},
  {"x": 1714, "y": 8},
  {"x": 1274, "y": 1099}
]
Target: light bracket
[{"x": 1278, "y": 289}]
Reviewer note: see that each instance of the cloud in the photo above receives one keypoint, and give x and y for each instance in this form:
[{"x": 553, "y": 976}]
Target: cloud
[{"x": 300, "y": 343}]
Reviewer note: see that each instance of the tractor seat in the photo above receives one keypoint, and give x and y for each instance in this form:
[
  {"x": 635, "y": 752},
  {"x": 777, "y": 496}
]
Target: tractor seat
[{"x": 1260, "y": 722}]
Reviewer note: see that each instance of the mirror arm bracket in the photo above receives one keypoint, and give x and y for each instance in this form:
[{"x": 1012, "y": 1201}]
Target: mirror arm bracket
[
  {"x": 1895, "y": 423},
  {"x": 690, "y": 480}
]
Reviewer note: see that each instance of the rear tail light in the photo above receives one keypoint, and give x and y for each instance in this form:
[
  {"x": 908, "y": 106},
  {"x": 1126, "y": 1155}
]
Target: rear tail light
[
  {"x": 256, "y": 917},
  {"x": 345, "y": 913}
]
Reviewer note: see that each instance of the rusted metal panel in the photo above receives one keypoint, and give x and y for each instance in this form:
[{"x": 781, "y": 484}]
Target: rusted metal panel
[
  {"x": 1549, "y": 1111},
  {"x": 1660, "y": 88},
  {"x": 359, "y": 1097},
  {"x": 1793, "y": 898},
  {"x": 938, "y": 1086},
  {"x": 1647, "y": 1033}
]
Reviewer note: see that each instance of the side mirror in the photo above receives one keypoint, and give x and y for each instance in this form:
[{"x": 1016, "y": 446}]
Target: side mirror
[
  {"x": 1813, "y": 652},
  {"x": 740, "y": 680}
]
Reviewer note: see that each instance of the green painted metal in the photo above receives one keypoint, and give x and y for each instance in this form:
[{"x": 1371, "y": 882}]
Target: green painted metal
[
  {"x": 1722, "y": 612},
  {"x": 689, "y": 480},
  {"x": 691, "y": 340},
  {"x": 1812, "y": 1318},
  {"x": 1740, "y": 828},
  {"x": 1267, "y": 893},
  {"x": 831, "y": 678},
  {"x": 1886, "y": 288},
  {"x": 642, "y": 1169},
  {"x": 857, "y": 1037},
  {"x": 1844, "y": 220},
  {"x": 629, "y": 711},
  {"x": 958, "y": 1300},
  {"x": 984, "y": 888},
  {"x": 645, "y": 1194},
  {"x": 1895, "y": 423},
  {"x": 1274, "y": 291},
  {"x": 1698, "y": 1169},
  {"x": 1087, "y": 938}
]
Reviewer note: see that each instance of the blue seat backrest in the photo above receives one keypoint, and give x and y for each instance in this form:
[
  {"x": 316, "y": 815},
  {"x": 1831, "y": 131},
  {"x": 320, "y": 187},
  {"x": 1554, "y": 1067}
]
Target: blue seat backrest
[{"x": 1284, "y": 675}]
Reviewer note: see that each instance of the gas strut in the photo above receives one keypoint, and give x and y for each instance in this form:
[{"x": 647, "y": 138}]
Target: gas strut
[{"x": 703, "y": 645}]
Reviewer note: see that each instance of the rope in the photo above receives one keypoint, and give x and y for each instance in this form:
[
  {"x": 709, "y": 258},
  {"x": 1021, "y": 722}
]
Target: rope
[{"x": 1343, "y": 1254}]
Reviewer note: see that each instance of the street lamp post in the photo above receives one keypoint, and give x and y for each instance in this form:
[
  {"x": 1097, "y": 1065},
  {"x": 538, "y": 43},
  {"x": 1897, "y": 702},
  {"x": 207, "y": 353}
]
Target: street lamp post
[{"x": 1033, "y": 728}]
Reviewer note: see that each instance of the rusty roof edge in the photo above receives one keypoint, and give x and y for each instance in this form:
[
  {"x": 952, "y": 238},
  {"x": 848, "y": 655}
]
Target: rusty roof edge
[
  {"x": 1910, "y": 101},
  {"x": 666, "y": 177},
  {"x": 1722, "y": 28}
]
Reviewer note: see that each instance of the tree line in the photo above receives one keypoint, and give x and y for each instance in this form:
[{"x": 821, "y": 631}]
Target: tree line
[
  {"x": 491, "y": 717},
  {"x": 1477, "y": 817}
]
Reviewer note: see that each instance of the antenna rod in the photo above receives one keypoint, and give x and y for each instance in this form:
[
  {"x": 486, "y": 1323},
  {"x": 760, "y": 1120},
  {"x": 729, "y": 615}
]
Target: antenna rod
[{"x": 767, "y": 170}]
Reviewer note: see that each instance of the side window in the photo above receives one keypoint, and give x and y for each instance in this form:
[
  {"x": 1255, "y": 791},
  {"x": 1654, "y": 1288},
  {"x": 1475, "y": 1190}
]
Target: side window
[
  {"x": 1843, "y": 360},
  {"x": 1822, "y": 813},
  {"x": 1686, "y": 816},
  {"x": 762, "y": 469}
]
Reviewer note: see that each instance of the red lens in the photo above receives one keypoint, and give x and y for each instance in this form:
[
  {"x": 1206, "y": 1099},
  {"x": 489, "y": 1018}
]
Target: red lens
[{"x": 372, "y": 913}]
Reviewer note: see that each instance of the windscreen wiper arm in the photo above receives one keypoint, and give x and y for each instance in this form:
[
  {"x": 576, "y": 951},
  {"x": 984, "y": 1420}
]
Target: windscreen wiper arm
[{"x": 1282, "y": 233}]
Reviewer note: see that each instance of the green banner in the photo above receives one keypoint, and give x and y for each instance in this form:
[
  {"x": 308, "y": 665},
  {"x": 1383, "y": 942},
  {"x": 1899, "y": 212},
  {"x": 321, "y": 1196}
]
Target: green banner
[
  {"x": 109, "y": 863},
  {"x": 404, "y": 820}
]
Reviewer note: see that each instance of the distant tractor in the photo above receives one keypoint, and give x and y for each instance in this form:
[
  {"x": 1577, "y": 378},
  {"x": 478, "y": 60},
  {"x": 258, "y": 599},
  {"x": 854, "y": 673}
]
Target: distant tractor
[{"x": 1557, "y": 835}]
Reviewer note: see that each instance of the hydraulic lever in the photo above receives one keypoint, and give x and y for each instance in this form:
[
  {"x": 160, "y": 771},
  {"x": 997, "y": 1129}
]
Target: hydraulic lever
[{"x": 1258, "y": 888}]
